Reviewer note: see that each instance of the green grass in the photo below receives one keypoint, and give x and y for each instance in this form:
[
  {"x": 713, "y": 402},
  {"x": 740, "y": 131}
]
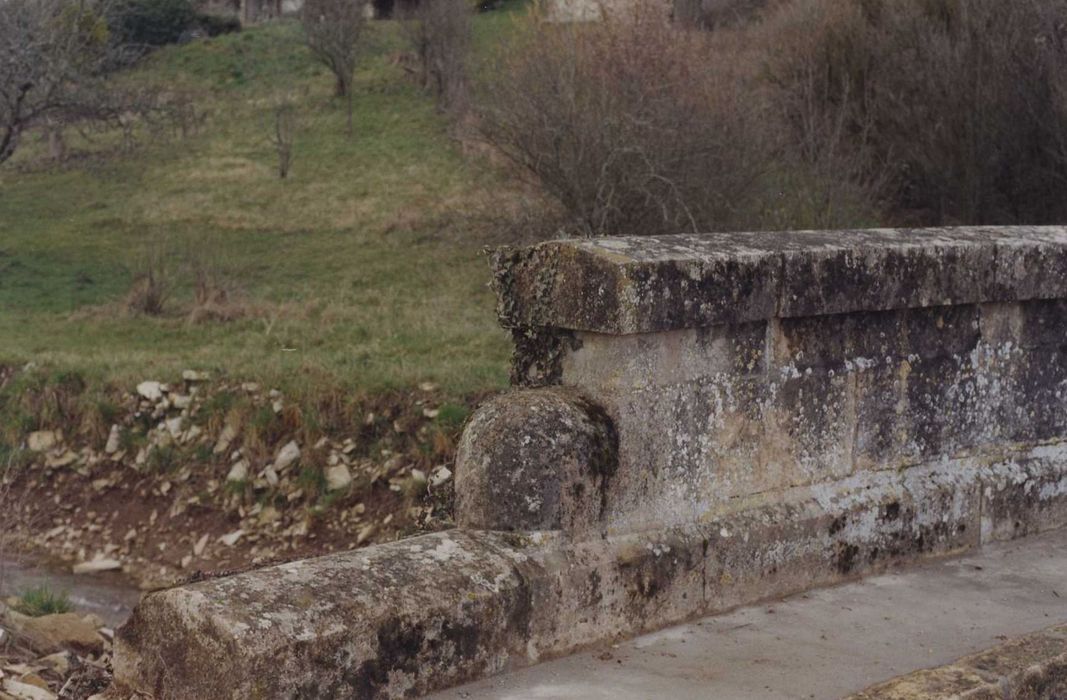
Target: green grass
[
  {"x": 42, "y": 600},
  {"x": 358, "y": 270}
]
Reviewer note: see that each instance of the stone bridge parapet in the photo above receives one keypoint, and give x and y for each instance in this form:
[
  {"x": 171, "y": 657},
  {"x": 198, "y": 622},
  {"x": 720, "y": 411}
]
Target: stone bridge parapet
[{"x": 698, "y": 422}]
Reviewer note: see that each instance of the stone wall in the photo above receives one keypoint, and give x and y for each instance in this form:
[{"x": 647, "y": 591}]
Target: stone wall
[
  {"x": 594, "y": 10},
  {"x": 700, "y": 422}
]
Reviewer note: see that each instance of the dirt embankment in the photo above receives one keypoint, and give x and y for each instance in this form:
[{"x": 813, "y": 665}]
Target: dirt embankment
[{"x": 198, "y": 477}]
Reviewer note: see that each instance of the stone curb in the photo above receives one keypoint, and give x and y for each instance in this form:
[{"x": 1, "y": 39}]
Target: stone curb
[{"x": 1033, "y": 667}]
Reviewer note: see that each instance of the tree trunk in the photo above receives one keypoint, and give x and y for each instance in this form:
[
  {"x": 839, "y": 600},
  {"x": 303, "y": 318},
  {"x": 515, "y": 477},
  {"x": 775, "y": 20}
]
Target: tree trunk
[
  {"x": 349, "y": 99},
  {"x": 9, "y": 141}
]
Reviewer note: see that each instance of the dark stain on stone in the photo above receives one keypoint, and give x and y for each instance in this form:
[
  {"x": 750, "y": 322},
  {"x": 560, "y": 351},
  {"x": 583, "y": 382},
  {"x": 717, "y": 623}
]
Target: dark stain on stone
[
  {"x": 845, "y": 556},
  {"x": 892, "y": 511},
  {"x": 464, "y": 638},
  {"x": 537, "y": 359},
  {"x": 399, "y": 645},
  {"x": 521, "y": 614},
  {"x": 595, "y": 595},
  {"x": 605, "y": 460}
]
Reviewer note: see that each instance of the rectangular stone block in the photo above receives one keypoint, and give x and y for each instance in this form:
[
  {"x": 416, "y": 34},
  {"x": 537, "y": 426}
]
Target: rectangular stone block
[
  {"x": 388, "y": 621},
  {"x": 654, "y": 284},
  {"x": 602, "y": 362},
  {"x": 1025, "y": 494},
  {"x": 1032, "y": 264},
  {"x": 883, "y": 270}
]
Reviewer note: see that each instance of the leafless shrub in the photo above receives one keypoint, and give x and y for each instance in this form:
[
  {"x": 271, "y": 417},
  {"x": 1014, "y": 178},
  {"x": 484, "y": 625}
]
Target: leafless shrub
[
  {"x": 216, "y": 292},
  {"x": 828, "y": 177},
  {"x": 630, "y": 124},
  {"x": 187, "y": 118},
  {"x": 440, "y": 35},
  {"x": 332, "y": 31},
  {"x": 153, "y": 282},
  {"x": 284, "y": 123},
  {"x": 499, "y": 217},
  {"x": 959, "y": 104}
]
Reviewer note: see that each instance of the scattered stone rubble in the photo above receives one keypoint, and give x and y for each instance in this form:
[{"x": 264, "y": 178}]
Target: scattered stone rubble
[
  {"x": 177, "y": 489},
  {"x": 53, "y": 657}
]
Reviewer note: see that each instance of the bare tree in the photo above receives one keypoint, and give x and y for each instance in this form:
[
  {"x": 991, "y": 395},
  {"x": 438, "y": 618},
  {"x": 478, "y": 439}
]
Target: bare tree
[
  {"x": 51, "y": 54},
  {"x": 440, "y": 34},
  {"x": 284, "y": 124},
  {"x": 332, "y": 31}
]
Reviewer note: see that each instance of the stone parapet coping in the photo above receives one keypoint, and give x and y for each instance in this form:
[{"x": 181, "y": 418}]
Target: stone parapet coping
[{"x": 650, "y": 284}]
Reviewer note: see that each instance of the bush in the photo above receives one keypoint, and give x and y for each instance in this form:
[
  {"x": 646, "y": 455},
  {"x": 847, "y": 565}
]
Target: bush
[
  {"x": 217, "y": 25},
  {"x": 957, "y": 107},
  {"x": 153, "y": 279},
  {"x": 629, "y": 123},
  {"x": 150, "y": 23}
]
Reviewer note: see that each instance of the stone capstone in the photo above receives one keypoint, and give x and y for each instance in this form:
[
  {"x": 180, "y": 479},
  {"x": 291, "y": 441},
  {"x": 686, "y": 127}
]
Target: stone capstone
[
  {"x": 660, "y": 283},
  {"x": 535, "y": 460}
]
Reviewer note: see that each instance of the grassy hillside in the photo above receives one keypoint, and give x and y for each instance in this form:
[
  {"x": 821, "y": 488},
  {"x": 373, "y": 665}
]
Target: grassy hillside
[{"x": 358, "y": 270}]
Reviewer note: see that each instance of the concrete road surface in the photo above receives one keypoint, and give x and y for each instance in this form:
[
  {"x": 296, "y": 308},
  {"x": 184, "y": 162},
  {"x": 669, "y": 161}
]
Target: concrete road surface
[{"x": 825, "y": 643}]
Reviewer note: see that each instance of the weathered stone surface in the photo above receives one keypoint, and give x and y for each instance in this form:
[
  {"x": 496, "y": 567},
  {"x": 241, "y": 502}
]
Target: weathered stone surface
[
  {"x": 535, "y": 460},
  {"x": 1025, "y": 494},
  {"x": 709, "y": 416},
  {"x": 1032, "y": 667},
  {"x": 50, "y": 633},
  {"x": 651, "y": 284},
  {"x": 387, "y": 621}
]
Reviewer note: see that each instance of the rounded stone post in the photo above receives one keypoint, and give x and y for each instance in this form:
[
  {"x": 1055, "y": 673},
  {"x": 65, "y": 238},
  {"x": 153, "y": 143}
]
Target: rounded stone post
[{"x": 536, "y": 459}]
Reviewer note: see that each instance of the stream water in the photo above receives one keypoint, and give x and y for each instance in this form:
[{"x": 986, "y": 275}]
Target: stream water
[{"x": 106, "y": 596}]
